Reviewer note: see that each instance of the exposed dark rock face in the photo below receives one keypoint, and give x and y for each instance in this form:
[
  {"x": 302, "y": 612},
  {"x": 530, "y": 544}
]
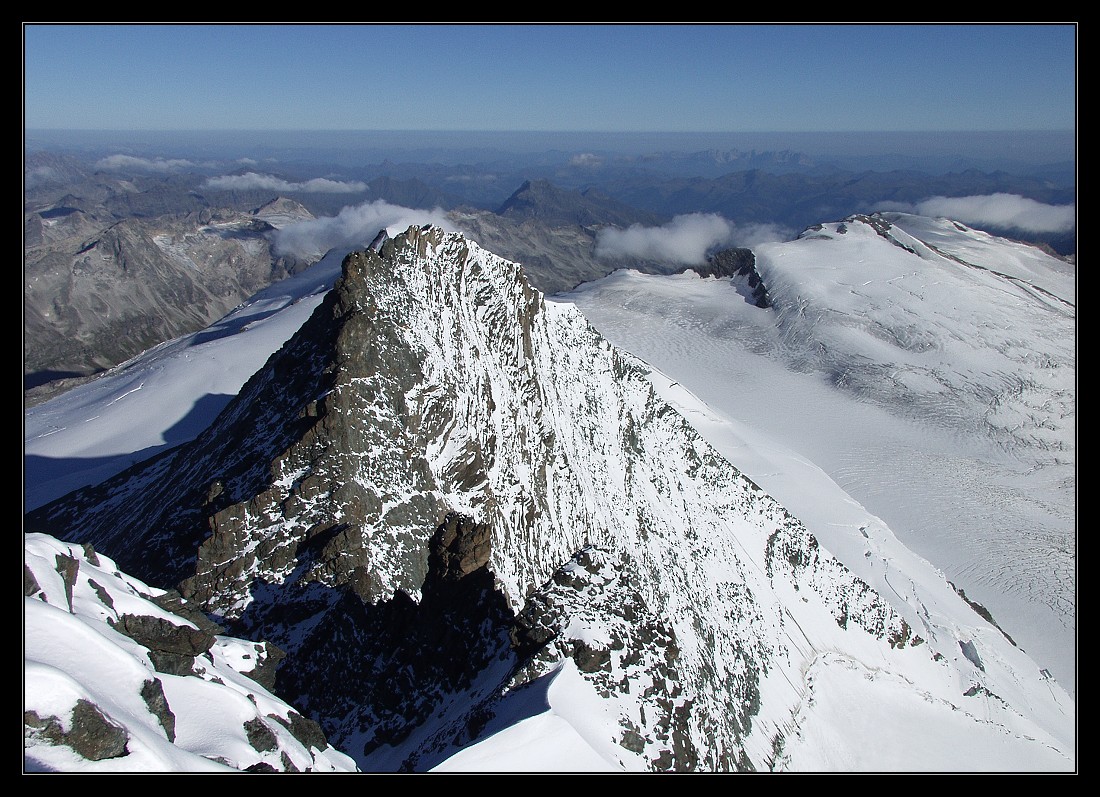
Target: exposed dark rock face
[
  {"x": 260, "y": 736},
  {"x": 304, "y": 730},
  {"x": 91, "y": 734},
  {"x": 268, "y": 657},
  {"x": 982, "y": 611},
  {"x": 378, "y": 671},
  {"x": 173, "y": 602},
  {"x": 882, "y": 227},
  {"x": 103, "y": 595},
  {"x": 30, "y": 583},
  {"x": 460, "y": 547},
  {"x": 67, "y": 568},
  {"x": 89, "y": 554},
  {"x": 157, "y": 633},
  {"x": 152, "y": 692},
  {"x": 276, "y": 407},
  {"x": 172, "y": 648},
  {"x": 738, "y": 265}
]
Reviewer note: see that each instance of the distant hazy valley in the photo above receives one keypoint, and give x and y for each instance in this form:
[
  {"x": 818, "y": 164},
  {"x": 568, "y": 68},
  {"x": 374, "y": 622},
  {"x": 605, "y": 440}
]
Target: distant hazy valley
[{"x": 122, "y": 251}]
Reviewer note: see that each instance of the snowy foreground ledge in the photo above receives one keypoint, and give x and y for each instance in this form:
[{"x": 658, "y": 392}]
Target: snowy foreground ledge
[{"x": 90, "y": 687}]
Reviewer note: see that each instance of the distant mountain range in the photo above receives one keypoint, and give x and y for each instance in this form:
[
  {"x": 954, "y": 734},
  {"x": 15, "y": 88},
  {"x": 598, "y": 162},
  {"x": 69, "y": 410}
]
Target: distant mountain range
[
  {"x": 123, "y": 252},
  {"x": 97, "y": 291},
  {"x": 113, "y": 266}
]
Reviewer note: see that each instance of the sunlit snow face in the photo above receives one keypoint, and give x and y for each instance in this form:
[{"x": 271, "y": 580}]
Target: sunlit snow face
[
  {"x": 913, "y": 376},
  {"x": 709, "y": 534}
]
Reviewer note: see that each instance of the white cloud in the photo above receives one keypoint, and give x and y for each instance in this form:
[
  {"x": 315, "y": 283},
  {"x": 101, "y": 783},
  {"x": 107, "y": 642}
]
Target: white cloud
[
  {"x": 750, "y": 235},
  {"x": 354, "y": 226},
  {"x": 145, "y": 164},
  {"x": 252, "y": 180},
  {"x": 585, "y": 159},
  {"x": 900, "y": 207},
  {"x": 686, "y": 239},
  {"x": 1001, "y": 210}
]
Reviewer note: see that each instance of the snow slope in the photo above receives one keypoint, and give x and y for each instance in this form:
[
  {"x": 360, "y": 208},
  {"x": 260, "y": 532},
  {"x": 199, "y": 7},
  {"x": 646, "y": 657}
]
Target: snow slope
[
  {"x": 164, "y": 396},
  {"x": 935, "y": 386},
  {"x": 212, "y": 719}
]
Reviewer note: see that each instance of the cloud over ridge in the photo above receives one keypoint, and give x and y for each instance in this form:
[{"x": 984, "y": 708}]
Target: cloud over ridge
[
  {"x": 1001, "y": 210},
  {"x": 686, "y": 239},
  {"x": 113, "y": 162},
  {"x": 354, "y": 226},
  {"x": 586, "y": 159}
]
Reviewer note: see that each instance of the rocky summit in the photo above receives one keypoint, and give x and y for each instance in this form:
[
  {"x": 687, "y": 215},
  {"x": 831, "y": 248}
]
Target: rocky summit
[{"x": 446, "y": 491}]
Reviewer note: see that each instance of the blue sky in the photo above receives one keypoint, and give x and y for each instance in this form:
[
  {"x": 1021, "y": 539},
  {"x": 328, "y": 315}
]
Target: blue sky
[{"x": 706, "y": 78}]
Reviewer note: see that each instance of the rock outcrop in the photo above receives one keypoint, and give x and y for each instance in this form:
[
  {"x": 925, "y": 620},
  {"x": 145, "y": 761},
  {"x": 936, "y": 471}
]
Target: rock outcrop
[{"x": 114, "y": 682}]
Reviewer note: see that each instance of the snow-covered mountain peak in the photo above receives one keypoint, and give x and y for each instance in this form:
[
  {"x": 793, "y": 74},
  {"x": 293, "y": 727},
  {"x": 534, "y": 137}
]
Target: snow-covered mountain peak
[
  {"x": 446, "y": 489},
  {"x": 931, "y": 330}
]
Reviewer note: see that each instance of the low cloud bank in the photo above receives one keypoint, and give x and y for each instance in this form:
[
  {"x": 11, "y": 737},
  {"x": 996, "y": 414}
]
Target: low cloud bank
[
  {"x": 42, "y": 174},
  {"x": 686, "y": 239},
  {"x": 353, "y": 227},
  {"x": 1005, "y": 211},
  {"x": 116, "y": 162},
  {"x": 252, "y": 180}
]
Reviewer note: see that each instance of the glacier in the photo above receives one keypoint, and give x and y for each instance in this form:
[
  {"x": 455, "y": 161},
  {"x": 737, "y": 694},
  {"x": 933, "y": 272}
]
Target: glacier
[{"x": 928, "y": 368}]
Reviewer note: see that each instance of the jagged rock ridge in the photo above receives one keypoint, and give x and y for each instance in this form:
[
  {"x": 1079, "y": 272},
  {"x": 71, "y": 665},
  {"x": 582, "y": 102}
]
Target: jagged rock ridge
[{"x": 437, "y": 426}]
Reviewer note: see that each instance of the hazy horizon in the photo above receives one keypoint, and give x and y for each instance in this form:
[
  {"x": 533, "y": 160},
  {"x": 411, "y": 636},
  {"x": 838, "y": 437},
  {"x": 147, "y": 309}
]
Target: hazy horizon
[{"x": 1033, "y": 147}]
